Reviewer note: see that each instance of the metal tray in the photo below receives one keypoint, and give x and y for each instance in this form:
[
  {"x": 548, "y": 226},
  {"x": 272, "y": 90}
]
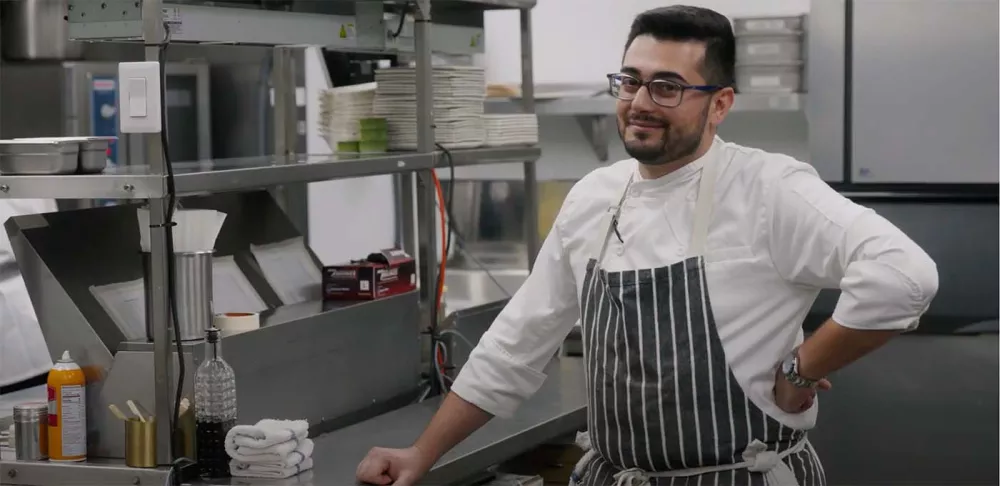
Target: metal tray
[
  {"x": 768, "y": 25},
  {"x": 93, "y": 151},
  {"x": 39, "y": 157},
  {"x": 777, "y": 78},
  {"x": 94, "y": 154},
  {"x": 769, "y": 49}
]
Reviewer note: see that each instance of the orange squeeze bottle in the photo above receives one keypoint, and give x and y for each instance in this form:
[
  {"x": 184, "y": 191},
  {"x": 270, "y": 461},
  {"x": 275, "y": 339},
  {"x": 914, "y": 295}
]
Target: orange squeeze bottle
[{"x": 67, "y": 387}]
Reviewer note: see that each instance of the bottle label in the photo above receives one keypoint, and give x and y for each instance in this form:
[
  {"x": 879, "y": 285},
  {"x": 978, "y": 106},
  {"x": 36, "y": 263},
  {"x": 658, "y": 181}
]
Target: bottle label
[
  {"x": 74, "y": 420},
  {"x": 53, "y": 408}
]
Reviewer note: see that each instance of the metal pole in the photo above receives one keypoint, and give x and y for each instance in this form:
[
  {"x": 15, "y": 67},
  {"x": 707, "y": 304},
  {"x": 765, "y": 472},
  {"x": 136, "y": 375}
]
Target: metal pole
[
  {"x": 406, "y": 236},
  {"x": 426, "y": 193},
  {"x": 153, "y": 34},
  {"x": 533, "y": 241},
  {"x": 283, "y": 115},
  {"x": 425, "y": 144},
  {"x": 279, "y": 112}
]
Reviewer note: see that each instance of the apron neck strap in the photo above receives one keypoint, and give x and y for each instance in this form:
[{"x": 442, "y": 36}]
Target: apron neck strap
[
  {"x": 613, "y": 220},
  {"x": 703, "y": 208}
]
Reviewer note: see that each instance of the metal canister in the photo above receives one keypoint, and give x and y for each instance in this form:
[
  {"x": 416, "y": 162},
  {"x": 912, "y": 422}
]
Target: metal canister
[{"x": 31, "y": 431}]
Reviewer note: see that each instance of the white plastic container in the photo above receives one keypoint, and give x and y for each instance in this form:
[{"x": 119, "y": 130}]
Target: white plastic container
[
  {"x": 769, "y": 49},
  {"x": 775, "y": 78},
  {"x": 769, "y": 25}
]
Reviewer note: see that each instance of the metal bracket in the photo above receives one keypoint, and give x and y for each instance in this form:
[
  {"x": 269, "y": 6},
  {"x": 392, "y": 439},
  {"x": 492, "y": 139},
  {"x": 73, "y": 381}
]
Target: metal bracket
[
  {"x": 370, "y": 24},
  {"x": 595, "y": 129},
  {"x": 422, "y": 10}
]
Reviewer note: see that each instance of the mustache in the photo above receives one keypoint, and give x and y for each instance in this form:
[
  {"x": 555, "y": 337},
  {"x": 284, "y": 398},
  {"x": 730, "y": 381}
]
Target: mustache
[{"x": 642, "y": 118}]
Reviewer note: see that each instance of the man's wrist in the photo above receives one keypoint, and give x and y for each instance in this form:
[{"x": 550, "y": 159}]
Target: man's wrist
[{"x": 791, "y": 367}]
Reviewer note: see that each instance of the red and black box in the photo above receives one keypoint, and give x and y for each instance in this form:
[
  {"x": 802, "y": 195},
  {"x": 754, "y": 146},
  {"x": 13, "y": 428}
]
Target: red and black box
[{"x": 383, "y": 274}]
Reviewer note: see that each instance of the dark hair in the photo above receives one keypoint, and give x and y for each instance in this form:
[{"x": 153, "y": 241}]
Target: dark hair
[{"x": 693, "y": 24}]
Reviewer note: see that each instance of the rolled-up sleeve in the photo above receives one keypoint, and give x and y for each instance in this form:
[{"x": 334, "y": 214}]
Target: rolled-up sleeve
[
  {"x": 821, "y": 239},
  {"x": 506, "y": 366}
]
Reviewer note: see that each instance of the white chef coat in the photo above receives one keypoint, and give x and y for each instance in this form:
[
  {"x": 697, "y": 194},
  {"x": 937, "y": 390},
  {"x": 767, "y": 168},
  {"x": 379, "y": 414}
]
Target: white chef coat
[
  {"x": 778, "y": 235},
  {"x": 23, "y": 353}
]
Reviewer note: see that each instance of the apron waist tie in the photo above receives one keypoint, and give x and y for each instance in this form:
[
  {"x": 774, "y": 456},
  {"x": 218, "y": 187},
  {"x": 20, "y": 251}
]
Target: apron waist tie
[{"x": 756, "y": 458}]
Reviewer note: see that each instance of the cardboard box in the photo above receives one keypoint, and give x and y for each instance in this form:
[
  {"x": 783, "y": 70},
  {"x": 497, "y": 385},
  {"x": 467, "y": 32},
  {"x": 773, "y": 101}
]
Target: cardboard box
[{"x": 383, "y": 274}]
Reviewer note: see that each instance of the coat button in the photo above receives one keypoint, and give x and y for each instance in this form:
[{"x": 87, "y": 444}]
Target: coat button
[{"x": 620, "y": 250}]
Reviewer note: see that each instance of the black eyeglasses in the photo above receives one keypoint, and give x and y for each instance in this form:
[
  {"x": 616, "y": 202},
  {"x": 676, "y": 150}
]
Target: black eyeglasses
[{"x": 663, "y": 92}]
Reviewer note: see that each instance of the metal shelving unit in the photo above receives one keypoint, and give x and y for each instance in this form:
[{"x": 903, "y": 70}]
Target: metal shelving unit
[
  {"x": 605, "y": 104},
  {"x": 594, "y": 113},
  {"x": 485, "y": 156},
  {"x": 122, "y": 20},
  {"x": 148, "y": 21}
]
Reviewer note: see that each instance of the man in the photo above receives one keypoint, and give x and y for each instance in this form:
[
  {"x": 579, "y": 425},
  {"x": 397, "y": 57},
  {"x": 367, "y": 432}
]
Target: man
[{"x": 690, "y": 290}]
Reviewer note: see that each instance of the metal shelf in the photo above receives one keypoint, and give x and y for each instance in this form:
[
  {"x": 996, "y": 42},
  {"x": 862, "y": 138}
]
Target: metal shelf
[
  {"x": 225, "y": 175},
  {"x": 221, "y": 175},
  {"x": 485, "y": 4},
  {"x": 605, "y": 105},
  {"x": 487, "y": 156},
  {"x": 117, "y": 20},
  {"x": 593, "y": 113}
]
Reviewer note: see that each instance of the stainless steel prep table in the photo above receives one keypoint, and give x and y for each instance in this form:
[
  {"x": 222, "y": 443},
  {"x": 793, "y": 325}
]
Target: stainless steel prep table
[{"x": 557, "y": 409}]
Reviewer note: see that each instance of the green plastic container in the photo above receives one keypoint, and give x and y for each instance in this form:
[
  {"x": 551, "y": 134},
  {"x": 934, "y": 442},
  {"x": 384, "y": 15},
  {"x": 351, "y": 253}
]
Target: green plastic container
[
  {"x": 348, "y": 147},
  {"x": 373, "y": 147},
  {"x": 374, "y": 135},
  {"x": 373, "y": 124}
]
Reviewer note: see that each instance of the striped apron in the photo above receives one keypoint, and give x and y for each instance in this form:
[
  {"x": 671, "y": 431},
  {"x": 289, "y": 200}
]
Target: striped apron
[{"x": 665, "y": 408}]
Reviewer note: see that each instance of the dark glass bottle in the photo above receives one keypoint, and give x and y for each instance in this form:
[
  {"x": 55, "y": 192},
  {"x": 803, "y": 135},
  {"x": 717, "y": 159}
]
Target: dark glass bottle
[{"x": 215, "y": 408}]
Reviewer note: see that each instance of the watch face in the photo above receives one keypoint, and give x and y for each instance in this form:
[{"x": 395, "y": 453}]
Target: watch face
[{"x": 788, "y": 366}]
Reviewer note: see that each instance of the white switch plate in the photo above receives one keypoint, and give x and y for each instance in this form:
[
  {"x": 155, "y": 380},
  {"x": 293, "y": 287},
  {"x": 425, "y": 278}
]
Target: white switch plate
[{"x": 139, "y": 97}]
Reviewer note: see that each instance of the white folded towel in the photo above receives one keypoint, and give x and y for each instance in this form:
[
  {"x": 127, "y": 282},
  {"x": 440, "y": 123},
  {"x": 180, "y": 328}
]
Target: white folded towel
[
  {"x": 268, "y": 432},
  {"x": 240, "y": 469},
  {"x": 282, "y": 458},
  {"x": 267, "y": 441}
]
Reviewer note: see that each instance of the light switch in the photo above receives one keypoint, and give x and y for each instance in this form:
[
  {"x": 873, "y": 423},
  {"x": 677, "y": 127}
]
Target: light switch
[{"x": 137, "y": 97}]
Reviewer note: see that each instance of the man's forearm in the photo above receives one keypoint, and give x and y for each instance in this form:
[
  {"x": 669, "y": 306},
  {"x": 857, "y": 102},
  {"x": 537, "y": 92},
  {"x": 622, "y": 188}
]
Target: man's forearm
[
  {"x": 833, "y": 347},
  {"x": 453, "y": 422}
]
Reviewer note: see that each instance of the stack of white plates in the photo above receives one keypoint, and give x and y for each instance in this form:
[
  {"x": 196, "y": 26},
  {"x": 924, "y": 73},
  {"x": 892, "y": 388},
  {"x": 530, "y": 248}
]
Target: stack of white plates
[
  {"x": 459, "y": 92},
  {"x": 341, "y": 109},
  {"x": 512, "y": 129}
]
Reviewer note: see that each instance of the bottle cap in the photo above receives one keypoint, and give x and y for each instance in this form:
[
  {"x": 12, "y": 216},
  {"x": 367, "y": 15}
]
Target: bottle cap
[
  {"x": 212, "y": 334},
  {"x": 31, "y": 411},
  {"x": 65, "y": 357}
]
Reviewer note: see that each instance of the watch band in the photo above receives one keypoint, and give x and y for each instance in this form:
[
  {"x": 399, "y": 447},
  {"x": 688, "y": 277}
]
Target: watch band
[{"x": 790, "y": 368}]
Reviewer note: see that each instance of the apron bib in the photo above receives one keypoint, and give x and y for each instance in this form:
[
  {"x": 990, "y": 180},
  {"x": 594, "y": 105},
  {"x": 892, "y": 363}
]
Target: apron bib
[{"x": 665, "y": 408}]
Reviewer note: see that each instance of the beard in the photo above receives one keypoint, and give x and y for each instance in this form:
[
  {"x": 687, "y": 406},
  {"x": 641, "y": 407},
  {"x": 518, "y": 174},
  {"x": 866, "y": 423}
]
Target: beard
[{"x": 675, "y": 143}]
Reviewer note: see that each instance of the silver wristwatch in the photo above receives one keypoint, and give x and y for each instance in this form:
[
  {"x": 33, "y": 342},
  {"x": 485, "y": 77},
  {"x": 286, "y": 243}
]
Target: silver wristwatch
[{"x": 790, "y": 367}]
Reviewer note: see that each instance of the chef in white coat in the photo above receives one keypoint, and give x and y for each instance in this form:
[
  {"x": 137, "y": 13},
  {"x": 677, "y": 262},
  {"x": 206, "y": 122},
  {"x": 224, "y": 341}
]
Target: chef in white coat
[
  {"x": 690, "y": 268},
  {"x": 24, "y": 358}
]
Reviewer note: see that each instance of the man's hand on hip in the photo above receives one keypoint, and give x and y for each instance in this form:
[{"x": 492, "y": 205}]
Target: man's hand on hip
[{"x": 793, "y": 399}]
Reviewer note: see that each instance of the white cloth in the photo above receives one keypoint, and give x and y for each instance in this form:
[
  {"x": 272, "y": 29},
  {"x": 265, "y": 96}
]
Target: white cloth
[
  {"x": 778, "y": 235},
  {"x": 756, "y": 458},
  {"x": 23, "y": 353},
  {"x": 267, "y": 441},
  {"x": 268, "y": 432},
  {"x": 240, "y": 469},
  {"x": 286, "y": 454}
]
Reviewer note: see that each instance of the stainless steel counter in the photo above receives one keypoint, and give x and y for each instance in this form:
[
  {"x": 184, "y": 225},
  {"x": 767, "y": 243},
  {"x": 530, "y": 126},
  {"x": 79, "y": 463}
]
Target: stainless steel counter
[{"x": 559, "y": 408}]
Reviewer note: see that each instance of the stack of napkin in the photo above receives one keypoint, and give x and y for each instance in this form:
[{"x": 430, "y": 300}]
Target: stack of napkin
[{"x": 275, "y": 449}]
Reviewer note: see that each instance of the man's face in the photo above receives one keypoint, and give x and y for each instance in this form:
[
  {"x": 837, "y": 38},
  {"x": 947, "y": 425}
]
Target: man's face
[{"x": 654, "y": 134}]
